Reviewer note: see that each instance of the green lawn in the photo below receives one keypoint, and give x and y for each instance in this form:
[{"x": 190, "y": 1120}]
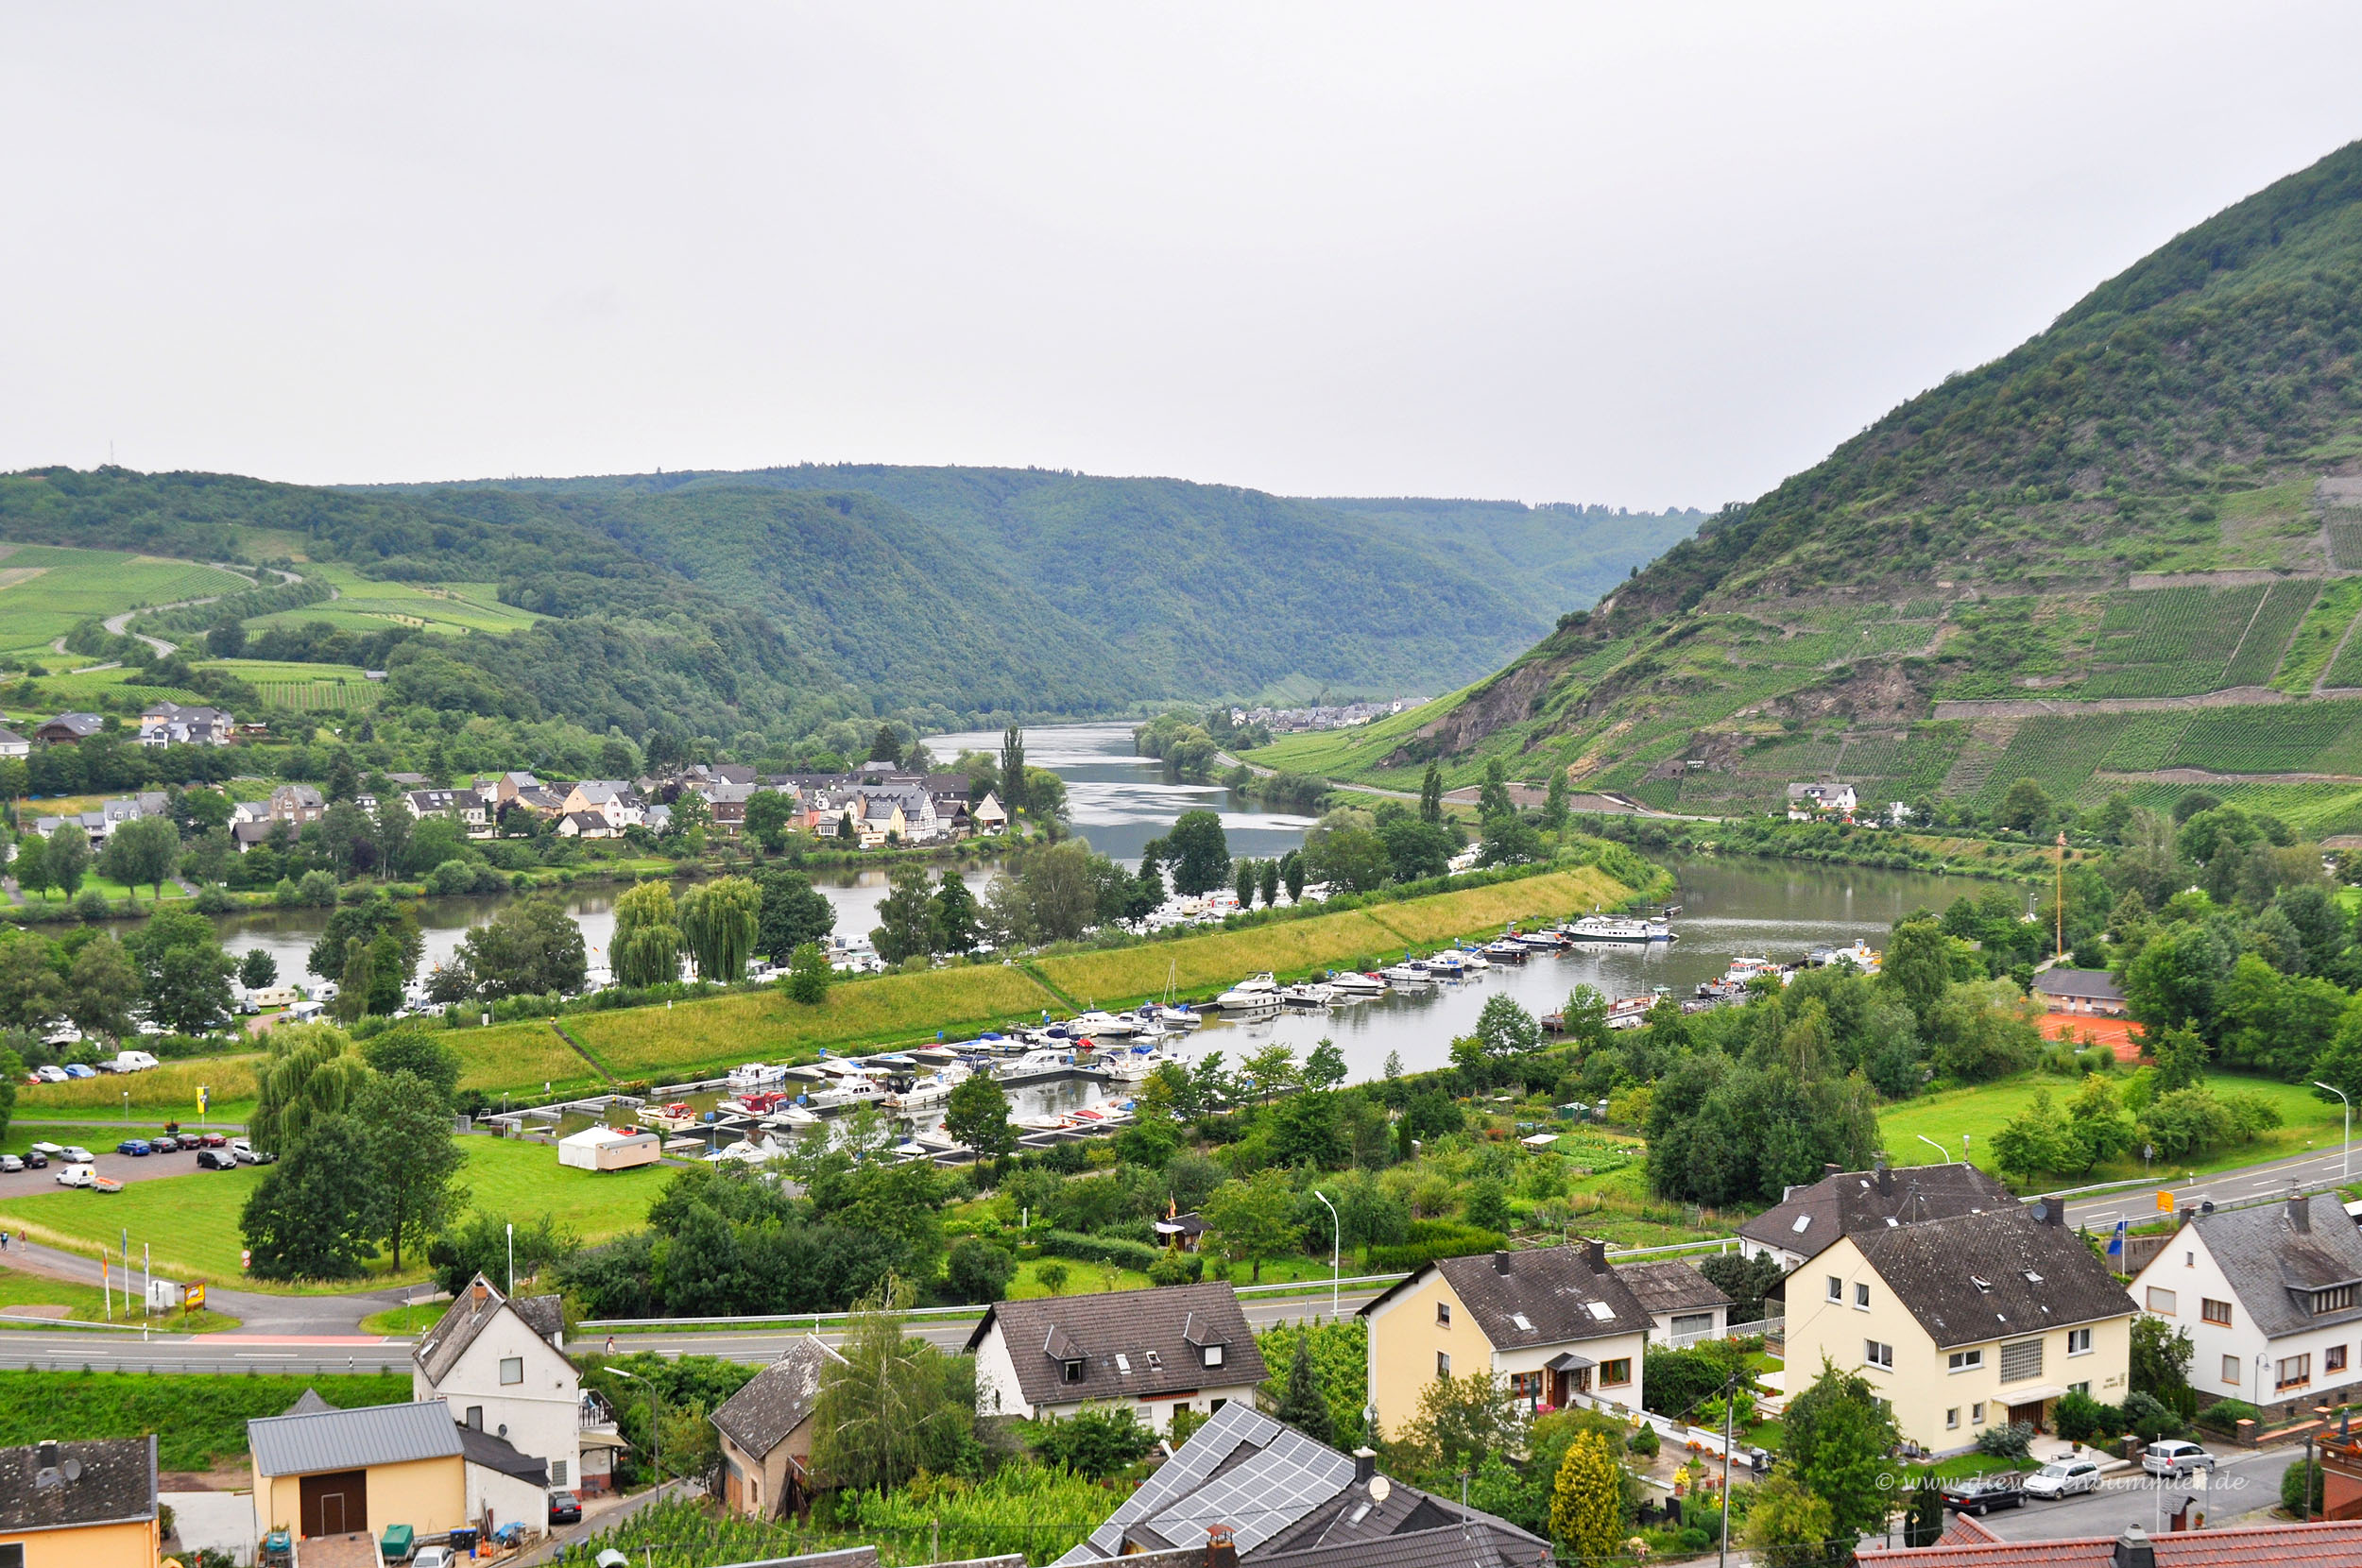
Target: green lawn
[
  {"x": 191, "y": 1222},
  {"x": 89, "y": 1303},
  {"x": 199, "y": 1419},
  {"x": 405, "y": 1321},
  {"x": 2307, "y": 1122}
]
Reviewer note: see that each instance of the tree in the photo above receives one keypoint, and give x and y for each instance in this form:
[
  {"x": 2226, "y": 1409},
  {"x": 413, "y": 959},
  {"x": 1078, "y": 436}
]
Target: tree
[
  {"x": 481, "y": 1244},
  {"x": 891, "y": 1406},
  {"x": 1199, "y": 853},
  {"x": 1792, "y": 1526},
  {"x": 2025, "y": 809},
  {"x": 1554, "y": 805},
  {"x": 308, "y": 1071},
  {"x": 258, "y": 970},
  {"x": 1252, "y": 1219},
  {"x": 102, "y": 987},
  {"x": 1587, "y": 1502},
  {"x": 32, "y": 865},
  {"x": 528, "y": 949},
  {"x": 977, "y": 1114},
  {"x": 414, "y": 1158},
  {"x": 1462, "y": 1420},
  {"x": 2160, "y": 1362},
  {"x": 1269, "y": 873},
  {"x": 1917, "y": 966},
  {"x": 2033, "y": 1141},
  {"x": 1291, "y": 872},
  {"x": 142, "y": 853},
  {"x": 68, "y": 857},
  {"x": 353, "y": 983},
  {"x": 1431, "y": 793},
  {"x": 957, "y": 918},
  {"x": 1303, "y": 1407},
  {"x": 1248, "y": 879},
  {"x": 1325, "y": 1068},
  {"x": 1052, "y": 1275},
  {"x": 372, "y": 917},
  {"x": 1013, "y": 778},
  {"x": 768, "y": 813},
  {"x": 227, "y": 639},
  {"x": 793, "y": 913},
  {"x": 1922, "y": 1524},
  {"x": 1839, "y": 1435},
  {"x": 906, "y": 916},
  {"x": 978, "y": 1269},
  {"x": 32, "y": 993},
  {"x": 807, "y": 975},
  {"x": 413, "y": 1050},
  {"x": 717, "y": 923},
  {"x": 313, "y": 1214},
  {"x": 1507, "y": 1028},
  {"x": 185, "y": 973},
  {"x": 1493, "y": 794},
  {"x": 1272, "y": 1067},
  {"x": 647, "y": 947}
]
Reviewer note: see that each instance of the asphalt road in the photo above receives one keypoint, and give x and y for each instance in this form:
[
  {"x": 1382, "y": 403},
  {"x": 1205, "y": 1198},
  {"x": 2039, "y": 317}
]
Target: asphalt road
[
  {"x": 2243, "y": 1185},
  {"x": 2243, "y": 1483}
]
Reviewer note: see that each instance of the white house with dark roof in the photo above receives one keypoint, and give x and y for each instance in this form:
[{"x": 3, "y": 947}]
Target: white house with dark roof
[
  {"x": 1179, "y": 1347},
  {"x": 13, "y": 744},
  {"x": 766, "y": 1432},
  {"x": 1557, "y": 1324},
  {"x": 2271, "y": 1296},
  {"x": 2093, "y": 992},
  {"x": 1685, "y": 1305},
  {"x": 499, "y": 1364},
  {"x": 1810, "y": 1219}
]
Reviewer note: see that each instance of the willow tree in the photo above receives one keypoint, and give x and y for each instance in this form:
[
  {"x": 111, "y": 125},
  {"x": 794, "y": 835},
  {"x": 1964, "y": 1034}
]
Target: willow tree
[
  {"x": 1012, "y": 772},
  {"x": 646, "y": 949},
  {"x": 308, "y": 1071},
  {"x": 719, "y": 920}
]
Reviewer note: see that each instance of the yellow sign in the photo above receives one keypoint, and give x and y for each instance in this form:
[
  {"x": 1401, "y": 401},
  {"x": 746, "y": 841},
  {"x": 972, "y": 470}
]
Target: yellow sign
[
  {"x": 202, "y": 1099},
  {"x": 2164, "y": 1203},
  {"x": 193, "y": 1300}
]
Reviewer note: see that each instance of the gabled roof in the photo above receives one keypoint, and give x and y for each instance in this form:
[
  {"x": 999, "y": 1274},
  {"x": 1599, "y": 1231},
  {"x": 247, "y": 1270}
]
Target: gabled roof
[
  {"x": 352, "y": 1440},
  {"x": 1852, "y": 1201},
  {"x": 2088, "y": 984},
  {"x": 1133, "y": 1344},
  {"x": 1672, "y": 1286},
  {"x": 2274, "y": 1266},
  {"x": 1540, "y": 1296},
  {"x": 466, "y": 1320},
  {"x": 495, "y": 1453},
  {"x": 1995, "y": 1275},
  {"x": 2323, "y": 1543},
  {"x": 778, "y": 1399},
  {"x": 308, "y": 1403},
  {"x": 57, "y": 1485}
]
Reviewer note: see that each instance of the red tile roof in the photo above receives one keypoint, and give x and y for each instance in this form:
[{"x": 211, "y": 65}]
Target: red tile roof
[{"x": 2335, "y": 1544}]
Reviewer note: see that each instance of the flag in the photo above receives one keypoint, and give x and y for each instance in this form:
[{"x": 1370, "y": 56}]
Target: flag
[{"x": 2115, "y": 1241}]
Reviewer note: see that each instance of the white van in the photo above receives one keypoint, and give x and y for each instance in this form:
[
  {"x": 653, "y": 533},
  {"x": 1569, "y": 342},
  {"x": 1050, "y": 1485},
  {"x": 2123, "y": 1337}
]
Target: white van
[
  {"x": 132, "y": 1061},
  {"x": 78, "y": 1176}
]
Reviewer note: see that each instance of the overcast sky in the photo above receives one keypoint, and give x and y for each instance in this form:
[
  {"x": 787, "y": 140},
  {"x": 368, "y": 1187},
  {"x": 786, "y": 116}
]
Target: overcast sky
[{"x": 1642, "y": 255}]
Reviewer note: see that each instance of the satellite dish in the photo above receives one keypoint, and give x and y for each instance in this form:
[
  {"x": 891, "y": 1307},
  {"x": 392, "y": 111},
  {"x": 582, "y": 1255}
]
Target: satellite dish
[
  {"x": 73, "y": 1469},
  {"x": 1380, "y": 1489}
]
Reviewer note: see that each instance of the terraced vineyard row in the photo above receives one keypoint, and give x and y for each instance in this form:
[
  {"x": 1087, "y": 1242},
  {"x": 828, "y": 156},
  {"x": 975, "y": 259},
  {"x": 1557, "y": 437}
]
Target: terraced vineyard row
[
  {"x": 318, "y": 696},
  {"x": 2284, "y": 608},
  {"x": 2317, "y": 640},
  {"x": 2164, "y": 642}
]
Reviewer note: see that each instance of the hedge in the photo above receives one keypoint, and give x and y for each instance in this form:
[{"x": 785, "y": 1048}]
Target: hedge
[
  {"x": 1098, "y": 1249},
  {"x": 1430, "y": 1241}
]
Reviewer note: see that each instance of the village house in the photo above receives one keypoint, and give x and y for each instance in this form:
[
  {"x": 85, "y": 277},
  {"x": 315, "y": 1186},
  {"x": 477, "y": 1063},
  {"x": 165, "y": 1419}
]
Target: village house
[
  {"x": 80, "y": 1505},
  {"x": 766, "y": 1432},
  {"x": 988, "y": 814},
  {"x": 110, "y": 814},
  {"x": 1807, "y": 801},
  {"x": 727, "y": 804},
  {"x": 1978, "y": 1321},
  {"x": 507, "y": 786},
  {"x": 13, "y": 744},
  {"x": 498, "y": 1363},
  {"x": 2087, "y": 992},
  {"x": 1809, "y": 1219},
  {"x": 585, "y": 824},
  {"x": 611, "y": 798},
  {"x": 296, "y": 804},
  {"x": 68, "y": 729},
  {"x": 2269, "y": 1294},
  {"x": 1154, "y": 1352},
  {"x": 323, "y": 1471},
  {"x": 464, "y": 806},
  {"x": 1556, "y": 1324},
  {"x": 1684, "y": 1305},
  {"x": 167, "y": 723}
]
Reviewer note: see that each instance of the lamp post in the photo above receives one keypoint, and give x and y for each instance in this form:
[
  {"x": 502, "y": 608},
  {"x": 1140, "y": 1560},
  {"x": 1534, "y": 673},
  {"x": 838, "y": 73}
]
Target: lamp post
[
  {"x": 1336, "y": 1247},
  {"x": 1936, "y": 1147},
  {"x": 656, "y": 1425},
  {"x": 2345, "y": 1151}
]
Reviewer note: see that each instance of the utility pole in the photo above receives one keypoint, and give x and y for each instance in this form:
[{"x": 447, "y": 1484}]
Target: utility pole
[{"x": 2058, "y": 900}]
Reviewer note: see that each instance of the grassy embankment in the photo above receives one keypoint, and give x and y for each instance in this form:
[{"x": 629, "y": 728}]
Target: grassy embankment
[
  {"x": 199, "y": 1419},
  {"x": 89, "y": 1303},
  {"x": 190, "y": 1224},
  {"x": 698, "y": 1037}
]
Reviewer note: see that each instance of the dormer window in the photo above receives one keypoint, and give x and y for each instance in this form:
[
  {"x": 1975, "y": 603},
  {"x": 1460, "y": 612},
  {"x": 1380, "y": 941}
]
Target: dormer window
[
  {"x": 2337, "y": 1297},
  {"x": 1073, "y": 1371},
  {"x": 1213, "y": 1355}
]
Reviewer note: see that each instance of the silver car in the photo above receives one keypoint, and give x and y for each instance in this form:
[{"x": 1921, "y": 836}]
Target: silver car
[
  {"x": 2063, "y": 1478},
  {"x": 2176, "y": 1458}
]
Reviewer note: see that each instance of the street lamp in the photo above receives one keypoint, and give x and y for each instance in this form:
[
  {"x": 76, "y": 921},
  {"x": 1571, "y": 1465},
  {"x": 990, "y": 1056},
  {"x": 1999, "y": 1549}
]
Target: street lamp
[
  {"x": 1336, "y": 1246},
  {"x": 2345, "y": 1151},
  {"x": 1936, "y": 1147},
  {"x": 656, "y": 1425}
]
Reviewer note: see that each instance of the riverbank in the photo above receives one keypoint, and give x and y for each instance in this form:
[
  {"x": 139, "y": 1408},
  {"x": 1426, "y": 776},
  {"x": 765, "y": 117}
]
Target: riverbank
[{"x": 2013, "y": 859}]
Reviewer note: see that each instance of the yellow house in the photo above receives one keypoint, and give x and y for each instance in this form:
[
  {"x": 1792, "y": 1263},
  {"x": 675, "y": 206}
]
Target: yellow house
[
  {"x": 1556, "y": 1324},
  {"x": 341, "y": 1472},
  {"x": 79, "y": 1505},
  {"x": 1963, "y": 1324}
]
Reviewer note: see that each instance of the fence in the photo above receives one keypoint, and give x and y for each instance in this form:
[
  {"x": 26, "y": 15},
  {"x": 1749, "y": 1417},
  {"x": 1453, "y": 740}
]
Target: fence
[{"x": 1770, "y": 1328}]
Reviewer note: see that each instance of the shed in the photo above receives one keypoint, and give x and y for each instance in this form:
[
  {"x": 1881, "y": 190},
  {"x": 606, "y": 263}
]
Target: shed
[
  {"x": 609, "y": 1148},
  {"x": 338, "y": 1471}
]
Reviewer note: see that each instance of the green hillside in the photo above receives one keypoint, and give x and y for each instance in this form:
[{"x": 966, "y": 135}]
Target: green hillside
[{"x": 2026, "y": 571}]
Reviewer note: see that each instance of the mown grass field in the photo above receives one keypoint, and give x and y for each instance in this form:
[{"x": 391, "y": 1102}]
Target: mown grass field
[
  {"x": 190, "y": 1224},
  {"x": 161, "y": 1091},
  {"x": 2306, "y": 1123},
  {"x": 200, "y": 1421},
  {"x": 89, "y": 1303},
  {"x": 47, "y": 590},
  {"x": 366, "y": 604},
  {"x": 262, "y": 670}
]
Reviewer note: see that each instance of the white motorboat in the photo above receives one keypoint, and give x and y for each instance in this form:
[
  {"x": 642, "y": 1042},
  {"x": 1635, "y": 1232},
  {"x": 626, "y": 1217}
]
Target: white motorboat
[
  {"x": 846, "y": 1091},
  {"x": 792, "y": 1115},
  {"x": 1095, "y": 1023},
  {"x": 1259, "y": 994},
  {"x": 755, "y": 1075},
  {"x": 1306, "y": 994},
  {"x": 1135, "y": 1066},
  {"x": 934, "y": 1089},
  {"x": 1043, "y": 1059},
  {"x": 1446, "y": 965},
  {"x": 1507, "y": 948},
  {"x": 1406, "y": 974},
  {"x": 1352, "y": 982},
  {"x": 1474, "y": 959}
]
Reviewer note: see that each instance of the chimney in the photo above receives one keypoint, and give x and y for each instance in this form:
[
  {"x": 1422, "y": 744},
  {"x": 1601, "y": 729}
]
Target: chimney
[
  {"x": 1365, "y": 1465},
  {"x": 48, "y": 1455},
  {"x": 2301, "y": 1212},
  {"x": 1595, "y": 1253},
  {"x": 1500, "y": 1263},
  {"x": 2133, "y": 1550},
  {"x": 478, "y": 1294},
  {"x": 1886, "y": 1180},
  {"x": 1828, "y": 1171},
  {"x": 1220, "y": 1553}
]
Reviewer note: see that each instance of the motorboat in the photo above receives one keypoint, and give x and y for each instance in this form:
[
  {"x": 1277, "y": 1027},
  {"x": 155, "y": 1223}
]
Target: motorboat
[
  {"x": 1538, "y": 942},
  {"x": 1506, "y": 949},
  {"x": 1171, "y": 1016},
  {"x": 1042, "y": 1059},
  {"x": 792, "y": 1115},
  {"x": 754, "y": 1075},
  {"x": 1351, "y": 982},
  {"x": 755, "y": 1103},
  {"x": 848, "y": 1091},
  {"x": 1861, "y": 955},
  {"x": 1629, "y": 1011},
  {"x": 1306, "y": 994},
  {"x": 673, "y": 1118},
  {"x": 1114, "y": 1025},
  {"x": 1448, "y": 964},
  {"x": 933, "y": 1089},
  {"x": 1608, "y": 927},
  {"x": 1406, "y": 974},
  {"x": 1135, "y": 1066},
  {"x": 1473, "y": 958},
  {"x": 1259, "y": 994}
]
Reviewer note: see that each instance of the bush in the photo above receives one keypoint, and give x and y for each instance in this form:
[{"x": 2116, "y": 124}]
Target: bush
[
  {"x": 1431, "y": 1239},
  {"x": 2149, "y": 1418},
  {"x": 92, "y": 906},
  {"x": 1094, "y": 1443},
  {"x": 977, "y": 1269},
  {"x": 1177, "y": 1269},
  {"x": 2014, "y": 1441},
  {"x": 2293, "y": 1489},
  {"x": 1098, "y": 1249},
  {"x": 2224, "y": 1415},
  {"x": 2078, "y": 1416},
  {"x": 1644, "y": 1442}
]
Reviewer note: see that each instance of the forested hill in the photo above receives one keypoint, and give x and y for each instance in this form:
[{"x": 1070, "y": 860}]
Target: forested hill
[
  {"x": 1036, "y": 590},
  {"x": 2158, "y": 497}
]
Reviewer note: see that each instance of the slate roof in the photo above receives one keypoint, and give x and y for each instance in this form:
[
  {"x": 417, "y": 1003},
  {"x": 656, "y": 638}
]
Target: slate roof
[
  {"x": 1540, "y": 1296},
  {"x": 778, "y": 1400},
  {"x": 498, "y": 1453},
  {"x": 116, "y": 1482},
  {"x": 308, "y": 1403},
  {"x": 2330, "y": 1543},
  {"x": 544, "y": 1315},
  {"x": 1995, "y": 1275},
  {"x": 352, "y": 1440},
  {"x": 1674, "y": 1286},
  {"x": 1159, "y": 1333},
  {"x": 1294, "y": 1503},
  {"x": 464, "y": 1320},
  {"x": 76, "y": 725},
  {"x": 2089, "y": 984},
  {"x": 1853, "y": 1202},
  {"x": 2274, "y": 1267}
]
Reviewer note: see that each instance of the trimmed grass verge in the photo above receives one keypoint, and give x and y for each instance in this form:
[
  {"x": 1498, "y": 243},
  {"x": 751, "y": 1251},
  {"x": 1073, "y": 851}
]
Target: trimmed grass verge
[{"x": 199, "y": 1419}]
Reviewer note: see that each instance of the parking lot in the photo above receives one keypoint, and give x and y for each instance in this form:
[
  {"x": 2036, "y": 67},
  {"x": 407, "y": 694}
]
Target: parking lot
[{"x": 121, "y": 1168}]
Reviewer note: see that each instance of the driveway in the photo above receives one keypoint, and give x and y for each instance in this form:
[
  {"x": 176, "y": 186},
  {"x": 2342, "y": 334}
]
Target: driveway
[{"x": 2245, "y": 1481}]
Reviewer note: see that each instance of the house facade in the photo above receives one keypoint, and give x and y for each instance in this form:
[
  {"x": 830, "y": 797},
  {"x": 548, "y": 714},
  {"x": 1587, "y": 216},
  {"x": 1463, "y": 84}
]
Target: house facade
[
  {"x": 466, "y": 806},
  {"x": 766, "y": 1431},
  {"x": 296, "y": 804},
  {"x": 167, "y": 723},
  {"x": 2271, "y": 1296},
  {"x": 2089, "y": 992},
  {"x": 80, "y": 1505},
  {"x": 1556, "y": 1324},
  {"x": 339, "y": 1472},
  {"x": 1807, "y": 801},
  {"x": 1152, "y": 1351},
  {"x": 1979, "y": 1321},
  {"x": 498, "y": 1364}
]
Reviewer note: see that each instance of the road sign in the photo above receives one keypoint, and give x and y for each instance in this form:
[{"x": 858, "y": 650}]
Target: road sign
[
  {"x": 2164, "y": 1203},
  {"x": 246, "y": 1260},
  {"x": 194, "y": 1299}
]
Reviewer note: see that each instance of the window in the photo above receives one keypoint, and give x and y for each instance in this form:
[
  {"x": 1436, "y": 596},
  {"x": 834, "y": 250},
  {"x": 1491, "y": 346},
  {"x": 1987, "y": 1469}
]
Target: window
[
  {"x": 1524, "y": 1384},
  {"x": 1443, "y": 1314},
  {"x": 1616, "y": 1371},
  {"x": 476, "y": 1417},
  {"x": 2295, "y": 1371},
  {"x": 1156, "y": 1361},
  {"x": 1976, "y": 1414},
  {"x": 1123, "y": 1364},
  {"x": 13, "y": 1554},
  {"x": 557, "y": 1472},
  {"x": 2337, "y": 1297},
  {"x": 1952, "y": 1419},
  {"x": 1213, "y": 1356},
  {"x": 1073, "y": 1371},
  {"x": 1861, "y": 1297},
  {"x": 1443, "y": 1363},
  {"x": 1525, "y": 1324},
  {"x": 1215, "y": 1408},
  {"x": 2214, "y": 1311},
  {"x": 2161, "y": 1301},
  {"x": 2079, "y": 1341},
  {"x": 2083, "y": 1389},
  {"x": 1686, "y": 1324},
  {"x": 513, "y": 1369},
  {"x": 1967, "y": 1360},
  {"x": 2021, "y": 1360},
  {"x": 1837, "y": 1288},
  {"x": 1600, "y": 1310},
  {"x": 2333, "y": 1358},
  {"x": 2189, "y": 1260},
  {"x": 2230, "y": 1370},
  {"x": 1878, "y": 1354}
]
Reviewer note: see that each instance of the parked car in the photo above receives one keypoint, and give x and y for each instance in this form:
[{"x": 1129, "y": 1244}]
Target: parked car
[
  {"x": 10, "y": 1163},
  {"x": 77, "y": 1176},
  {"x": 1980, "y": 1494},
  {"x": 164, "y": 1143},
  {"x": 74, "y": 1153},
  {"x": 52, "y": 1073},
  {"x": 254, "y": 1156},
  {"x": 211, "y": 1140},
  {"x": 2064, "y": 1480},
  {"x": 76, "y": 1069},
  {"x": 565, "y": 1508},
  {"x": 35, "y": 1159},
  {"x": 140, "y": 1146},
  {"x": 433, "y": 1557},
  {"x": 2176, "y": 1458},
  {"x": 215, "y": 1159}
]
